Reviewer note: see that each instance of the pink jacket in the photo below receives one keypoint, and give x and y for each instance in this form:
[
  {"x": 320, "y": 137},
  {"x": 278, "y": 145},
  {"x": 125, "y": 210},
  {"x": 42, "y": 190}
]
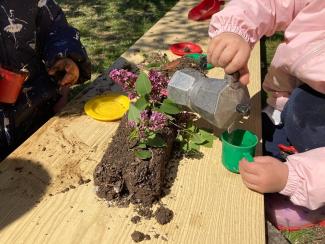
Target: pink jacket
[{"x": 300, "y": 57}]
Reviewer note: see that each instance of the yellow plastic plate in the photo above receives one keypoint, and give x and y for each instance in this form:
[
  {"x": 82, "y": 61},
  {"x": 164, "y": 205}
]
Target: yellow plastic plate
[{"x": 108, "y": 107}]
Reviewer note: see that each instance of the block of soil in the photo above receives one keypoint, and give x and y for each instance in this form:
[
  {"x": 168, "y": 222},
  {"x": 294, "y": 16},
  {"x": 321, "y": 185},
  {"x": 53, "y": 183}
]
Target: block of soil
[{"x": 121, "y": 175}]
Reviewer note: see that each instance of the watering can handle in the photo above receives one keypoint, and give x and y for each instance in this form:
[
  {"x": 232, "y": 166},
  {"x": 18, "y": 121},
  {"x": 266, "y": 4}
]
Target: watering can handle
[{"x": 233, "y": 79}]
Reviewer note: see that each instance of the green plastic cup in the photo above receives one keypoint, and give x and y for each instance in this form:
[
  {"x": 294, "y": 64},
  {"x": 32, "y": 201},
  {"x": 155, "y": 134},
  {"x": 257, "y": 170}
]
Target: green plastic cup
[{"x": 237, "y": 145}]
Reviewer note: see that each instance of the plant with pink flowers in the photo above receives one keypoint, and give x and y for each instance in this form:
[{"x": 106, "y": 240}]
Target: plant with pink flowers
[{"x": 152, "y": 112}]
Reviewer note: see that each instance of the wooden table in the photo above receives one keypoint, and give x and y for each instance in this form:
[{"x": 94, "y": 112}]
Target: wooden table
[{"x": 211, "y": 205}]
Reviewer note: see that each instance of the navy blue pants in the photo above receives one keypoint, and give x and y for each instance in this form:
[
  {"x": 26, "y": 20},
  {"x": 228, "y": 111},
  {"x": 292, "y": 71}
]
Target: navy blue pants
[{"x": 303, "y": 123}]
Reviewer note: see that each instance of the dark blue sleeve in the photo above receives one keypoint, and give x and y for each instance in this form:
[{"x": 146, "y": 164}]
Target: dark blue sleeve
[{"x": 57, "y": 39}]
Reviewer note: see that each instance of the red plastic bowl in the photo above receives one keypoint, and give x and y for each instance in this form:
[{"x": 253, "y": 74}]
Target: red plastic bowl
[
  {"x": 205, "y": 9},
  {"x": 183, "y": 48}
]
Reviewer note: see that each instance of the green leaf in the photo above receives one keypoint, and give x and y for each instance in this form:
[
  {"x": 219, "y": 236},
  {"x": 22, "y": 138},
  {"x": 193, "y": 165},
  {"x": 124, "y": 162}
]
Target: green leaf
[
  {"x": 134, "y": 113},
  {"x": 142, "y": 145},
  {"x": 208, "y": 144},
  {"x": 143, "y": 84},
  {"x": 192, "y": 128},
  {"x": 134, "y": 134},
  {"x": 197, "y": 139},
  {"x": 142, "y": 103},
  {"x": 143, "y": 154},
  {"x": 156, "y": 141},
  {"x": 209, "y": 136},
  {"x": 152, "y": 65},
  {"x": 185, "y": 147},
  {"x": 169, "y": 107},
  {"x": 179, "y": 138},
  {"x": 194, "y": 146}
]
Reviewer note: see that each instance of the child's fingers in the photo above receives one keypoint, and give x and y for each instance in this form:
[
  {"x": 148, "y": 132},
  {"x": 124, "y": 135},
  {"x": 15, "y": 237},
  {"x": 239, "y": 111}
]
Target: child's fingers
[
  {"x": 237, "y": 63},
  {"x": 68, "y": 79},
  {"x": 244, "y": 75},
  {"x": 215, "y": 55},
  {"x": 263, "y": 159},
  {"x": 248, "y": 167},
  {"x": 250, "y": 178},
  {"x": 59, "y": 65},
  {"x": 227, "y": 56},
  {"x": 253, "y": 187}
]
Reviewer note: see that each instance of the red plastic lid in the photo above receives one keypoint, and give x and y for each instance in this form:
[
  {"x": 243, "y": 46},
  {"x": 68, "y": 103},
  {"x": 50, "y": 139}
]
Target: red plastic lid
[
  {"x": 205, "y": 9},
  {"x": 183, "y": 48}
]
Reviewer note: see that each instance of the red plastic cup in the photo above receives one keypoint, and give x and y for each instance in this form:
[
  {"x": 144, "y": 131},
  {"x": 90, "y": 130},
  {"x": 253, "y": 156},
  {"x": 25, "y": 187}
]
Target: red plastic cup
[
  {"x": 205, "y": 9},
  {"x": 11, "y": 84}
]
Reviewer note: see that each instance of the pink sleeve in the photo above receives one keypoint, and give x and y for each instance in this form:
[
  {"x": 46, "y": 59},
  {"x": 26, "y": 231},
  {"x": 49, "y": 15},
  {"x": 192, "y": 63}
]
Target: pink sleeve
[
  {"x": 306, "y": 180},
  {"x": 252, "y": 19}
]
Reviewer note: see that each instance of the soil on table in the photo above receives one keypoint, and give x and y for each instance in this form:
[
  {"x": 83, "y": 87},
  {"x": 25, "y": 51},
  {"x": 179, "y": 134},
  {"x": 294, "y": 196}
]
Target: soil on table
[
  {"x": 138, "y": 236},
  {"x": 164, "y": 215},
  {"x": 181, "y": 63},
  {"x": 123, "y": 177}
]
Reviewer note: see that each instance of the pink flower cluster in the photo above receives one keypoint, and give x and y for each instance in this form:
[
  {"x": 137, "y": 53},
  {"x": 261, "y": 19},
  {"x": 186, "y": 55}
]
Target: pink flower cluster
[
  {"x": 159, "y": 83},
  {"x": 150, "y": 122},
  {"x": 126, "y": 80}
]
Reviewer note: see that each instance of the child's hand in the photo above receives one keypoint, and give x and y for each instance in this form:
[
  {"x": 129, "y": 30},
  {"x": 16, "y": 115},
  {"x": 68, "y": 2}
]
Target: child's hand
[
  {"x": 231, "y": 52},
  {"x": 69, "y": 67},
  {"x": 264, "y": 175}
]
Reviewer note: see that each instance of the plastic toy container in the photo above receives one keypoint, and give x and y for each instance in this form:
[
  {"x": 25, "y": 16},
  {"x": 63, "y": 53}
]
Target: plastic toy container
[
  {"x": 10, "y": 85},
  {"x": 237, "y": 145},
  {"x": 204, "y": 10}
]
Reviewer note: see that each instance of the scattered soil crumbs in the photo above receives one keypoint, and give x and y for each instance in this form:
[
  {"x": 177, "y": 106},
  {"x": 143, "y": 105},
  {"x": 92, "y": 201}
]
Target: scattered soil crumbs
[
  {"x": 164, "y": 215},
  {"x": 135, "y": 219},
  {"x": 138, "y": 236},
  {"x": 82, "y": 181},
  {"x": 145, "y": 212}
]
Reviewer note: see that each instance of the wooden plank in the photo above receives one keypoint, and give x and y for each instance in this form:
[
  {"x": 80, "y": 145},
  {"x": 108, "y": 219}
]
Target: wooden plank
[{"x": 211, "y": 205}]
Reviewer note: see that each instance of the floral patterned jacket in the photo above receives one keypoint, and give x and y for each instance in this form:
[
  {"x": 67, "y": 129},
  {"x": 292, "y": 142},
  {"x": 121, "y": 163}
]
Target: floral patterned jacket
[{"x": 34, "y": 34}]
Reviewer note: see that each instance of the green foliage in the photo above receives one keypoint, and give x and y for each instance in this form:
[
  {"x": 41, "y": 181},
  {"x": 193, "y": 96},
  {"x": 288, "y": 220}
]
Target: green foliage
[
  {"x": 143, "y": 84},
  {"x": 169, "y": 107},
  {"x": 192, "y": 138},
  {"x": 142, "y": 103},
  {"x": 134, "y": 113},
  {"x": 143, "y": 154},
  {"x": 155, "y": 140}
]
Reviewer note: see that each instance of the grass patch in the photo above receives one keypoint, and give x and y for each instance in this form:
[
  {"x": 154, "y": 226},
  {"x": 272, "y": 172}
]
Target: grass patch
[
  {"x": 109, "y": 28},
  {"x": 301, "y": 236}
]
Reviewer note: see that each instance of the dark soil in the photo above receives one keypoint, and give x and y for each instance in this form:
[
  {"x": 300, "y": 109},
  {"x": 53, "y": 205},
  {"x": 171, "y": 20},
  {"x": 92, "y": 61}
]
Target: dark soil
[
  {"x": 137, "y": 236},
  {"x": 164, "y": 215},
  {"x": 122, "y": 177},
  {"x": 135, "y": 219},
  {"x": 181, "y": 63},
  {"x": 144, "y": 211}
]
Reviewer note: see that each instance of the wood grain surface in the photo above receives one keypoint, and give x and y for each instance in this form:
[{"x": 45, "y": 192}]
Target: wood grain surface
[{"x": 211, "y": 205}]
